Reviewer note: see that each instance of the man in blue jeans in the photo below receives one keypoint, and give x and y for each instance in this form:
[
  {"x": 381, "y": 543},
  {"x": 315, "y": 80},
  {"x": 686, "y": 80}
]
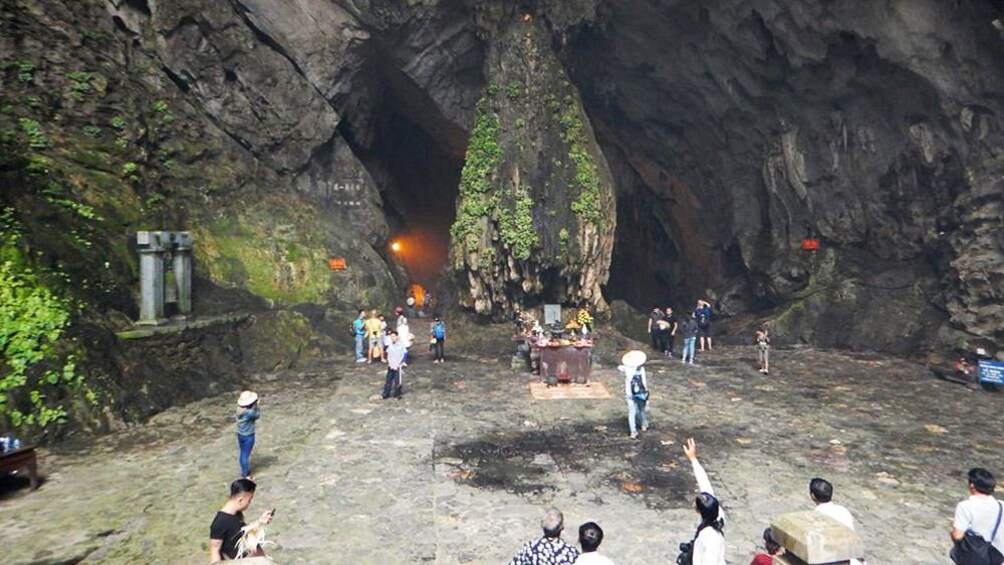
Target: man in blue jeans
[{"x": 359, "y": 327}]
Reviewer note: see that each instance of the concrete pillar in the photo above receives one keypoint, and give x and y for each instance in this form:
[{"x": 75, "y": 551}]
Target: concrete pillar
[
  {"x": 151, "y": 276},
  {"x": 812, "y": 538},
  {"x": 182, "y": 266}
]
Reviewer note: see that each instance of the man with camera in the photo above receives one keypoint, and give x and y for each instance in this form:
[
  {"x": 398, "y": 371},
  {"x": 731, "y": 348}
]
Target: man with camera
[{"x": 226, "y": 529}]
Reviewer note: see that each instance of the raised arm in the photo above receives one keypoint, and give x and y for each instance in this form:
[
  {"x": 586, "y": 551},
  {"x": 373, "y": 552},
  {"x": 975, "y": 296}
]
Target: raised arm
[{"x": 703, "y": 482}]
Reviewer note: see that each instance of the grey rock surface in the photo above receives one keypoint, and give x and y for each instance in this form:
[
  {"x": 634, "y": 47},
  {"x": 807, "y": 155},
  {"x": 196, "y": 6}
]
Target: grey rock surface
[{"x": 461, "y": 469}]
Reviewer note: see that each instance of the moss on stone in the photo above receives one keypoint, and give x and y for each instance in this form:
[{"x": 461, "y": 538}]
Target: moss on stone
[
  {"x": 477, "y": 198},
  {"x": 238, "y": 252},
  {"x": 586, "y": 179},
  {"x": 516, "y": 227}
]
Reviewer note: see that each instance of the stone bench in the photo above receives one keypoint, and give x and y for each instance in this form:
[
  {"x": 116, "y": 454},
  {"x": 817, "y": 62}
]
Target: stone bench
[
  {"x": 22, "y": 458},
  {"x": 813, "y": 538}
]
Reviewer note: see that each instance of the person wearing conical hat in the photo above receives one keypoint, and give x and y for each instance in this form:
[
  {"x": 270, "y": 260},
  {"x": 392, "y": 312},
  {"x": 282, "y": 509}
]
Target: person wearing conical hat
[
  {"x": 247, "y": 415},
  {"x": 635, "y": 390}
]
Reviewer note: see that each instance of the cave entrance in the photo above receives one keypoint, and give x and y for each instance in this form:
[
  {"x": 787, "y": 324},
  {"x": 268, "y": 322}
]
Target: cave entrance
[
  {"x": 420, "y": 194},
  {"x": 415, "y": 154}
]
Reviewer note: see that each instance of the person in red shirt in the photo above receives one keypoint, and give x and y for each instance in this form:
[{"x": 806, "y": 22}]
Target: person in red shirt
[{"x": 773, "y": 548}]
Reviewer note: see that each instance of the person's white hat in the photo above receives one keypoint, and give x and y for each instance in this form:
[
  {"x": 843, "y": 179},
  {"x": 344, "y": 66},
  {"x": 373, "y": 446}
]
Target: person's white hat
[
  {"x": 981, "y": 352},
  {"x": 634, "y": 358},
  {"x": 247, "y": 398}
]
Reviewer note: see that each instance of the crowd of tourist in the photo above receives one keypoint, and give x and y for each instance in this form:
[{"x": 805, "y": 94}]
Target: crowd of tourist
[
  {"x": 976, "y": 533},
  {"x": 707, "y": 546}
]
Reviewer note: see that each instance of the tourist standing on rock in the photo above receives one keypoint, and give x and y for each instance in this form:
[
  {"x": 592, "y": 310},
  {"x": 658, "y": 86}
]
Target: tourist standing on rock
[
  {"x": 226, "y": 529},
  {"x": 590, "y": 537},
  {"x": 395, "y": 362},
  {"x": 688, "y": 329},
  {"x": 375, "y": 348},
  {"x": 708, "y": 545},
  {"x": 653, "y": 328},
  {"x": 410, "y": 305},
  {"x": 438, "y": 333},
  {"x": 359, "y": 331},
  {"x": 979, "y": 514},
  {"x": 247, "y": 415},
  {"x": 549, "y": 549},
  {"x": 635, "y": 390},
  {"x": 670, "y": 336},
  {"x": 403, "y": 332},
  {"x": 384, "y": 342},
  {"x": 703, "y": 316},
  {"x": 763, "y": 350}
]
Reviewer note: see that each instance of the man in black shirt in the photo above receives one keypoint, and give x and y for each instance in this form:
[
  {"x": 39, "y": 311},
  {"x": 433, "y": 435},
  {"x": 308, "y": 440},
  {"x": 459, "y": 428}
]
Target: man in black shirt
[
  {"x": 654, "y": 317},
  {"x": 225, "y": 531},
  {"x": 670, "y": 336}
]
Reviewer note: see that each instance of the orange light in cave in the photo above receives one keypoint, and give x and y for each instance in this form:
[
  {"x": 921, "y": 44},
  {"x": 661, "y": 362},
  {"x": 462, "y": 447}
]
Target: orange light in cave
[
  {"x": 395, "y": 246},
  {"x": 527, "y": 18},
  {"x": 810, "y": 244}
]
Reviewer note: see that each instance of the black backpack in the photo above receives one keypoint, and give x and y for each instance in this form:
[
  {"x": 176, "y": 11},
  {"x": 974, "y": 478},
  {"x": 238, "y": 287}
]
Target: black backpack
[
  {"x": 972, "y": 549},
  {"x": 638, "y": 391}
]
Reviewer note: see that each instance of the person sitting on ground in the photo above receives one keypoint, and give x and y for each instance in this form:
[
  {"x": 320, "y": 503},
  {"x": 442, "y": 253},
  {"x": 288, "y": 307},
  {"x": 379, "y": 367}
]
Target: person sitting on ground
[
  {"x": 980, "y": 512},
  {"x": 763, "y": 350},
  {"x": 225, "y": 531},
  {"x": 772, "y": 546},
  {"x": 550, "y": 548},
  {"x": 590, "y": 537},
  {"x": 709, "y": 540}
]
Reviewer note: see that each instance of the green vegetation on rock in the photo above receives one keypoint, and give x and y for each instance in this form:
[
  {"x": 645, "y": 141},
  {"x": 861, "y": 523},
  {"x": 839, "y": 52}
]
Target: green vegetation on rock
[
  {"x": 477, "y": 200},
  {"x": 34, "y": 359},
  {"x": 517, "y": 229},
  {"x": 586, "y": 179},
  {"x": 291, "y": 271},
  {"x": 31, "y": 128}
]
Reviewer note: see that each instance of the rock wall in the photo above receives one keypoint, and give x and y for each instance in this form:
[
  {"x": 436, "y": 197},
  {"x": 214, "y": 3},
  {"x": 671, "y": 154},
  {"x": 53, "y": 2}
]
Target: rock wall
[
  {"x": 742, "y": 127},
  {"x": 594, "y": 150}
]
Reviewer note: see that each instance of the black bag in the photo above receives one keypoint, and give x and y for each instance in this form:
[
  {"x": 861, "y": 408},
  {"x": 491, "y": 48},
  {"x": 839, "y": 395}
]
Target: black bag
[
  {"x": 686, "y": 556},
  {"x": 972, "y": 549},
  {"x": 638, "y": 391}
]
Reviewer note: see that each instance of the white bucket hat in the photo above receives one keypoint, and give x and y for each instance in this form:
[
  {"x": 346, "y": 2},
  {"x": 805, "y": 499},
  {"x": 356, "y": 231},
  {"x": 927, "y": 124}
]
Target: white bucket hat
[
  {"x": 247, "y": 398},
  {"x": 634, "y": 358}
]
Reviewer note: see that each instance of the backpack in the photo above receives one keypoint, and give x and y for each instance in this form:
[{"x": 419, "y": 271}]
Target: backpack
[
  {"x": 703, "y": 316},
  {"x": 972, "y": 549},
  {"x": 638, "y": 391},
  {"x": 439, "y": 330}
]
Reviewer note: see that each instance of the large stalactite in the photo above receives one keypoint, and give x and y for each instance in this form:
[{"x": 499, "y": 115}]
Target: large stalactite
[{"x": 536, "y": 213}]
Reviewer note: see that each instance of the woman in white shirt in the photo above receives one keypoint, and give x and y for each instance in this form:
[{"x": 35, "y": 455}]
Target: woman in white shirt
[
  {"x": 403, "y": 332},
  {"x": 709, "y": 541}
]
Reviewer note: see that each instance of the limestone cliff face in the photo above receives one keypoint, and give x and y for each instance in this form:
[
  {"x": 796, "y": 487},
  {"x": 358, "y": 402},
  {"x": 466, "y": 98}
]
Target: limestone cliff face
[
  {"x": 570, "y": 150},
  {"x": 738, "y": 128},
  {"x": 535, "y": 215}
]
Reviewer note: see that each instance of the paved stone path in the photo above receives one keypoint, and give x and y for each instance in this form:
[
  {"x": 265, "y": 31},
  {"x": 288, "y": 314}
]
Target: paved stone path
[{"x": 461, "y": 469}]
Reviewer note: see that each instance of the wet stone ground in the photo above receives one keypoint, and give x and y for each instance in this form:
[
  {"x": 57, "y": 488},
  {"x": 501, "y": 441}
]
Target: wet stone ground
[{"x": 461, "y": 469}]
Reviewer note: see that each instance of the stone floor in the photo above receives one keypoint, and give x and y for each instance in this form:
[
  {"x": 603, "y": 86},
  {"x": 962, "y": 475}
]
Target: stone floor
[{"x": 461, "y": 469}]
